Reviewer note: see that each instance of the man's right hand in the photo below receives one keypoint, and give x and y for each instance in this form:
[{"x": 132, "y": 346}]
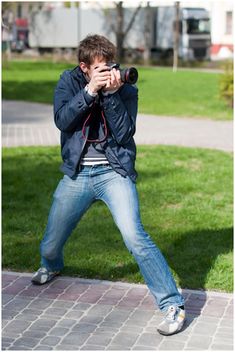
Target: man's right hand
[{"x": 99, "y": 78}]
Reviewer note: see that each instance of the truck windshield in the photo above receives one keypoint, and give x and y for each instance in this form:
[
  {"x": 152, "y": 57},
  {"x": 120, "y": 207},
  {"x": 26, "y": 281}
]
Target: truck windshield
[{"x": 195, "y": 26}]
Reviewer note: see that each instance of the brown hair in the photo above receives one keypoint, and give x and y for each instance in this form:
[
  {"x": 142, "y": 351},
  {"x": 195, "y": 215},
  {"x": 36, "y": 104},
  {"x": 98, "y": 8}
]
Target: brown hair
[{"x": 96, "y": 46}]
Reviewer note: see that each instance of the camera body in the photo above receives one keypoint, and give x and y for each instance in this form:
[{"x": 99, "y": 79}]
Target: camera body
[{"x": 128, "y": 75}]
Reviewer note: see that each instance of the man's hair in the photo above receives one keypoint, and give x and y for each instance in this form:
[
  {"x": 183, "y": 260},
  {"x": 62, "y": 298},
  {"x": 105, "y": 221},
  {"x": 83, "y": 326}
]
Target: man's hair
[{"x": 96, "y": 46}]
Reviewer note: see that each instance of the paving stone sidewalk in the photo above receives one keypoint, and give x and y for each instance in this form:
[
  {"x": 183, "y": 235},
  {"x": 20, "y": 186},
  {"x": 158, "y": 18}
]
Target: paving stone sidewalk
[
  {"x": 32, "y": 124},
  {"x": 79, "y": 314}
]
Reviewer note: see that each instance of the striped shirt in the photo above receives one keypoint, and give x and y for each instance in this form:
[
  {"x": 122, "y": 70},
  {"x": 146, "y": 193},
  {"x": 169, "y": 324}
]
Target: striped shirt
[{"x": 93, "y": 155}]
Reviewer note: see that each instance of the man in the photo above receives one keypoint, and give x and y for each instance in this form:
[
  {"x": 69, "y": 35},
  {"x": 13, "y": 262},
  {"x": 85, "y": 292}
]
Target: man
[{"x": 96, "y": 114}]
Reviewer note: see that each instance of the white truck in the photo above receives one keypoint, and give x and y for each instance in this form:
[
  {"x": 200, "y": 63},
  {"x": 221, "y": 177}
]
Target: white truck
[
  {"x": 194, "y": 32},
  {"x": 54, "y": 28}
]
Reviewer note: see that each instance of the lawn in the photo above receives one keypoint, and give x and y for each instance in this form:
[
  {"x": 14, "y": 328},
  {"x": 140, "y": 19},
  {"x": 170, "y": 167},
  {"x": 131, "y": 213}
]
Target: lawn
[
  {"x": 161, "y": 92},
  {"x": 186, "y": 205}
]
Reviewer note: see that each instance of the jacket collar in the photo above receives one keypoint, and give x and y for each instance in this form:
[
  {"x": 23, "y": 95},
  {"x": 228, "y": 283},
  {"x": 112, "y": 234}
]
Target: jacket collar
[{"x": 78, "y": 75}]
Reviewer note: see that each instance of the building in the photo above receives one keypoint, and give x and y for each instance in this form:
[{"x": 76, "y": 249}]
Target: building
[{"x": 222, "y": 34}]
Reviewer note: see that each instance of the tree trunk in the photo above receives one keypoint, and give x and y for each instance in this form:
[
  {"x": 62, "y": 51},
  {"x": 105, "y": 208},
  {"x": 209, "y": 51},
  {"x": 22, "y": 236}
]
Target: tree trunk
[
  {"x": 117, "y": 26},
  {"x": 147, "y": 34},
  {"x": 176, "y": 36},
  {"x": 119, "y": 31}
]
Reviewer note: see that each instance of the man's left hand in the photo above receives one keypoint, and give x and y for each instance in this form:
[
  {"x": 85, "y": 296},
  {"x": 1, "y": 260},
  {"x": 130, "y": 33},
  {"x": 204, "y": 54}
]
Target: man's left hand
[{"x": 114, "y": 83}]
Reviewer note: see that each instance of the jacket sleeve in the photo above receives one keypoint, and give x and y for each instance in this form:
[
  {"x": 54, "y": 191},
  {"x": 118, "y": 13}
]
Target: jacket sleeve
[
  {"x": 120, "y": 111},
  {"x": 69, "y": 109}
]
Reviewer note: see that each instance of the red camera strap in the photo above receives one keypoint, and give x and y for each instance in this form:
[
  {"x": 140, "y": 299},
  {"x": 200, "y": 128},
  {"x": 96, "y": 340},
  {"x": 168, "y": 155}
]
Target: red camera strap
[{"x": 105, "y": 128}]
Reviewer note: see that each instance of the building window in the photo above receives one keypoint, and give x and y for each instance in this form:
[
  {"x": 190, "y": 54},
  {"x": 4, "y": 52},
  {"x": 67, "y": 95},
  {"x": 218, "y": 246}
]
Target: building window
[{"x": 229, "y": 22}]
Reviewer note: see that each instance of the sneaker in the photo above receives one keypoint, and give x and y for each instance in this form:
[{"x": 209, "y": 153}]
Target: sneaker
[
  {"x": 173, "y": 321},
  {"x": 43, "y": 276}
]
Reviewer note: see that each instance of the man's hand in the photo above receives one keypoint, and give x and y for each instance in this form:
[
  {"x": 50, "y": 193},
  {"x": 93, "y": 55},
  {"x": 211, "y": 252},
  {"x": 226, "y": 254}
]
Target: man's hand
[
  {"x": 100, "y": 76},
  {"x": 114, "y": 82}
]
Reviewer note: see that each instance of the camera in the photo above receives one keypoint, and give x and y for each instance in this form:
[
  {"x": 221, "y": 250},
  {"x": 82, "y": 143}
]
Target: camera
[{"x": 128, "y": 75}]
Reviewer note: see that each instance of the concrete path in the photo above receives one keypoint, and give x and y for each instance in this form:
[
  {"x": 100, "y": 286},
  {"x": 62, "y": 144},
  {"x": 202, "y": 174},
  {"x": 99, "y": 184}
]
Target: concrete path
[
  {"x": 78, "y": 314},
  {"x": 32, "y": 124}
]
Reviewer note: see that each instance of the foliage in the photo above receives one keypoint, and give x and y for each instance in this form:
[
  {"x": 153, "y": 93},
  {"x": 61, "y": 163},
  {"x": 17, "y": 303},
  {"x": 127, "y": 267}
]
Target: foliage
[{"x": 226, "y": 84}]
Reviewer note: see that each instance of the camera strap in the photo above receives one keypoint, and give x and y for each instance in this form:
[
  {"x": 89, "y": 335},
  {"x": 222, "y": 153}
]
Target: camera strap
[{"x": 86, "y": 123}]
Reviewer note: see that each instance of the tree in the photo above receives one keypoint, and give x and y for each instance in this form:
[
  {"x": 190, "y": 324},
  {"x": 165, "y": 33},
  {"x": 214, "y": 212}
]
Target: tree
[
  {"x": 147, "y": 34},
  {"x": 117, "y": 25},
  {"x": 7, "y": 29},
  {"x": 176, "y": 36}
]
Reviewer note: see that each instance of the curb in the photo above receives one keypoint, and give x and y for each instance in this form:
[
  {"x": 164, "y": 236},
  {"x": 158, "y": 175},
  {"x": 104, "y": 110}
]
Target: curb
[{"x": 126, "y": 284}]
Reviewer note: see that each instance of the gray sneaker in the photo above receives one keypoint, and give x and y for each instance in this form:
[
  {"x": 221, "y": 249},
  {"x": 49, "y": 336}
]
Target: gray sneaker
[
  {"x": 42, "y": 276},
  {"x": 173, "y": 321}
]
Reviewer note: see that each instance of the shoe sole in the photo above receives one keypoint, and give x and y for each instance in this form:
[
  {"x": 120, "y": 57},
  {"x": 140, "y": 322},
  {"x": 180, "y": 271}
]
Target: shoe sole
[
  {"x": 49, "y": 280},
  {"x": 171, "y": 333}
]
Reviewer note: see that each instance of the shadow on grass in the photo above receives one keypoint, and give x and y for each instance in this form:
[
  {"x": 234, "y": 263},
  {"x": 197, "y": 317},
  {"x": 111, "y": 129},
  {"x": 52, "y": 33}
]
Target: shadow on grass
[
  {"x": 180, "y": 255},
  {"x": 40, "y": 92},
  {"x": 203, "y": 247}
]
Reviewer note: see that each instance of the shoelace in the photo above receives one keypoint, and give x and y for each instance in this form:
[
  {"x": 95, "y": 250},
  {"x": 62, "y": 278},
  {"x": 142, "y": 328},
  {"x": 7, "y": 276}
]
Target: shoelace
[
  {"x": 43, "y": 270},
  {"x": 170, "y": 315}
]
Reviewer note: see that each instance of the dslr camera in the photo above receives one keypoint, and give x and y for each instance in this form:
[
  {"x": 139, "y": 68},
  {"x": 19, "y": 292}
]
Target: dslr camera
[{"x": 128, "y": 75}]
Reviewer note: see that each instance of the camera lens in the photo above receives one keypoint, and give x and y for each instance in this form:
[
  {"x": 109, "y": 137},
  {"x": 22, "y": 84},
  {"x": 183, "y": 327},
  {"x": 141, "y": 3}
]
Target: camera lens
[
  {"x": 129, "y": 75},
  {"x": 132, "y": 75}
]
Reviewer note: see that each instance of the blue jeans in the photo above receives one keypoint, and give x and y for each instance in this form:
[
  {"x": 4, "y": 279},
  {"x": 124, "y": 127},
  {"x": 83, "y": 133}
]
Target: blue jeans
[{"x": 71, "y": 200}]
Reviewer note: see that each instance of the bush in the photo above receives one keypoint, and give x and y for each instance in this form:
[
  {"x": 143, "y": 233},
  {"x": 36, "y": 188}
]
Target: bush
[{"x": 226, "y": 84}]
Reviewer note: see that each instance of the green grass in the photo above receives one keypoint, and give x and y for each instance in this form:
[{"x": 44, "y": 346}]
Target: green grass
[
  {"x": 186, "y": 206},
  {"x": 184, "y": 93},
  {"x": 161, "y": 92}
]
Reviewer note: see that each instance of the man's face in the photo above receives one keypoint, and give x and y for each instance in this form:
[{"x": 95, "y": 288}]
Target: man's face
[
  {"x": 100, "y": 76},
  {"x": 88, "y": 69}
]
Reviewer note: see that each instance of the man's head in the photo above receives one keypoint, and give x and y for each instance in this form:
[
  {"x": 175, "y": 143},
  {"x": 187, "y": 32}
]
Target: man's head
[{"x": 96, "y": 47}]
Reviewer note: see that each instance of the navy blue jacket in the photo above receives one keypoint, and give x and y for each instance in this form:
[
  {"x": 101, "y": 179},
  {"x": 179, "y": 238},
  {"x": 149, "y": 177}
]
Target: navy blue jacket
[{"x": 72, "y": 106}]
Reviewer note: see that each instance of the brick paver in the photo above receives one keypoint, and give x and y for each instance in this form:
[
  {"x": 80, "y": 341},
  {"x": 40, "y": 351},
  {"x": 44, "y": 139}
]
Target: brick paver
[{"x": 97, "y": 315}]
